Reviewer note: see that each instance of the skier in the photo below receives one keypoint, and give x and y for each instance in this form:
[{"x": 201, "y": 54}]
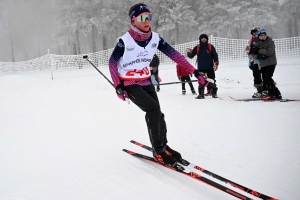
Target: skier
[
  {"x": 264, "y": 51},
  {"x": 130, "y": 72},
  {"x": 184, "y": 76},
  {"x": 254, "y": 64},
  {"x": 208, "y": 62},
  {"x": 154, "y": 70}
]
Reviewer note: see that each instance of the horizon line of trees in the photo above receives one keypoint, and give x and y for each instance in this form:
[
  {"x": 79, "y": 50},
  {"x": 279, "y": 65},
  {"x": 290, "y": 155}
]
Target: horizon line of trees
[{"x": 97, "y": 23}]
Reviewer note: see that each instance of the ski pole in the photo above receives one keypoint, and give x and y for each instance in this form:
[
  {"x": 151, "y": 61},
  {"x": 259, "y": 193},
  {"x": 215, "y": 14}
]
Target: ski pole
[
  {"x": 86, "y": 57},
  {"x": 207, "y": 79},
  {"x": 177, "y": 82}
]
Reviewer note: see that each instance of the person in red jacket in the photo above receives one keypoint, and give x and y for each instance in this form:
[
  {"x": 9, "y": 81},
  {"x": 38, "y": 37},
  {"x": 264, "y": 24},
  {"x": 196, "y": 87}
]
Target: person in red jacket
[{"x": 184, "y": 76}]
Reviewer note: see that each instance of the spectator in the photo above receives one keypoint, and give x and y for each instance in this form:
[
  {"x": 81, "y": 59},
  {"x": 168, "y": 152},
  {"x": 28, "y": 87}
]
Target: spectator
[
  {"x": 184, "y": 76},
  {"x": 264, "y": 51},
  {"x": 254, "y": 64},
  {"x": 208, "y": 62}
]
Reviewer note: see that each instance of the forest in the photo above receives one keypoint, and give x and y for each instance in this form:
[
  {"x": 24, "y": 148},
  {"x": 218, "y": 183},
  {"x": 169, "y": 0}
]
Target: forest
[{"x": 83, "y": 26}]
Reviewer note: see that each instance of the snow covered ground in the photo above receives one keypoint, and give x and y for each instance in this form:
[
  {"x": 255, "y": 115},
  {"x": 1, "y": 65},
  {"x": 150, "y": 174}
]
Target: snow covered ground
[{"x": 63, "y": 138}]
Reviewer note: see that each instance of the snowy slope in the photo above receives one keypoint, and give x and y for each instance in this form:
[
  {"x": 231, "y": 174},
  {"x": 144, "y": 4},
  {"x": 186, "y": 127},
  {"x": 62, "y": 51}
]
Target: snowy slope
[{"x": 63, "y": 138}]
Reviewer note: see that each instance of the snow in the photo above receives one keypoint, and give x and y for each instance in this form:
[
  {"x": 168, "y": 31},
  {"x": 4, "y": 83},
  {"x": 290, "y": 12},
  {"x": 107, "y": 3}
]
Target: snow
[{"x": 63, "y": 138}]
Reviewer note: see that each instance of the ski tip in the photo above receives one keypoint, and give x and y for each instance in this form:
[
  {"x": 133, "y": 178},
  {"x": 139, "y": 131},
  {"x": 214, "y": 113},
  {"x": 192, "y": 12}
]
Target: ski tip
[{"x": 129, "y": 152}]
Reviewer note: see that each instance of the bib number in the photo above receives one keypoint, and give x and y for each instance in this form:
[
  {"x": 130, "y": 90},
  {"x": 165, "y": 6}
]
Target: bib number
[{"x": 135, "y": 72}]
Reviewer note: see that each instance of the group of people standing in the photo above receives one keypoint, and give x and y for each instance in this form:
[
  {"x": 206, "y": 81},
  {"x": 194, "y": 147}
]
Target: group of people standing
[
  {"x": 130, "y": 70},
  {"x": 262, "y": 61}
]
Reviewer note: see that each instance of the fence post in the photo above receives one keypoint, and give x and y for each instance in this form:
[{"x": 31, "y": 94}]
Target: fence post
[{"x": 50, "y": 57}]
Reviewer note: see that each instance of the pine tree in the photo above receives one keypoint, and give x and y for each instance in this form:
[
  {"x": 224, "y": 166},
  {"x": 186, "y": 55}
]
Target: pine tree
[
  {"x": 236, "y": 16},
  {"x": 290, "y": 15}
]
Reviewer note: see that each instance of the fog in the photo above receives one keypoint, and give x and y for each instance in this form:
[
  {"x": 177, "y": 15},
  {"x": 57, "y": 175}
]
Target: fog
[{"x": 32, "y": 28}]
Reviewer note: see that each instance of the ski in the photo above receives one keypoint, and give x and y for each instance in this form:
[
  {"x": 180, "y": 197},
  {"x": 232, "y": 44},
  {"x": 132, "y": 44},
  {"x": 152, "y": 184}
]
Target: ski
[
  {"x": 191, "y": 175},
  {"x": 233, "y": 184},
  {"x": 258, "y": 99}
]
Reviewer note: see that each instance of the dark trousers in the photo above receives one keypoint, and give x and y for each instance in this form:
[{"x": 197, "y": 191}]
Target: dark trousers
[
  {"x": 146, "y": 99},
  {"x": 256, "y": 74},
  {"x": 267, "y": 73},
  {"x": 187, "y": 79},
  {"x": 210, "y": 73}
]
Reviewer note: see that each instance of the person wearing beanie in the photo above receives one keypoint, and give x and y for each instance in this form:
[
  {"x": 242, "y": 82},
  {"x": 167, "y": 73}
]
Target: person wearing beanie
[
  {"x": 254, "y": 65},
  {"x": 129, "y": 66},
  {"x": 264, "y": 51},
  {"x": 208, "y": 62}
]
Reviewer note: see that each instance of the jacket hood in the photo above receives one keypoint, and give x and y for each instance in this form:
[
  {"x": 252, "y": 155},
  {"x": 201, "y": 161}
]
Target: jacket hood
[{"x": 203, "y": 36}]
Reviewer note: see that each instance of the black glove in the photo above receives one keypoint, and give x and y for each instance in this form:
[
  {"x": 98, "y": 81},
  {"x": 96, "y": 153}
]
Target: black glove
[
  {"x": 120, "y": 90},
  {"x": 261, "y": 57},
  {"x": 190, "y": 55},
  {"x": 197, "y": 73},
  {"x": 254, "y": 50},
  {"x": 179, "y": 78}
]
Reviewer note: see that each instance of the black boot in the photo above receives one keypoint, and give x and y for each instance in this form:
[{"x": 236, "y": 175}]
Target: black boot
[
  {"x": 214, "y": 92},
  {"x": 165, "y": 159},
  {"x": 173, "y": 153},
  {"x": 201, "y": 93}
]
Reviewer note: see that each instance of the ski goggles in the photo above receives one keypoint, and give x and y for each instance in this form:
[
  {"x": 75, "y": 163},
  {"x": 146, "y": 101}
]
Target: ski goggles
[{"x": 143, "y": 18}]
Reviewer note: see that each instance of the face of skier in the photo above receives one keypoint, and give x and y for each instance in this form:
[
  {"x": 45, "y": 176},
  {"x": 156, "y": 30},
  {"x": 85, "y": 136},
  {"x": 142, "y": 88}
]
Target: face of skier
[
  {"x": 262, "y": 37},
  {"x": 203, "y": 39},
  {"x": 142, "y": 21},
  {"x": 254, "y": 34}
]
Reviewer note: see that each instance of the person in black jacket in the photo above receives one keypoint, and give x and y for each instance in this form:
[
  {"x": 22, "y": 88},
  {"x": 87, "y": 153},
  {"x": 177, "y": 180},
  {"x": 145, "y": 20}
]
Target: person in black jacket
[
  {"x": 208, "y": 63},
  {"x": 154, "y": 70}
]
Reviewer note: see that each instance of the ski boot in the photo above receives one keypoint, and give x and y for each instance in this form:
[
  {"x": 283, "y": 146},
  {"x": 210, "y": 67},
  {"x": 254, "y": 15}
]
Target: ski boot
[
  {"x": 257, "y": 95},
  {"x": 173, "y": 153},
  {"x": 201, "y": 93},
  {"x": 214, "y": 96},
  {"x": 265, "y": 93},
  {"x": 165, "y": 159},
  {"x": 200, "y": 97}
]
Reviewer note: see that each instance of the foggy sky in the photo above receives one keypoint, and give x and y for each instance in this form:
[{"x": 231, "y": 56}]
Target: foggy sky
[{"x": 32, "y": 27}]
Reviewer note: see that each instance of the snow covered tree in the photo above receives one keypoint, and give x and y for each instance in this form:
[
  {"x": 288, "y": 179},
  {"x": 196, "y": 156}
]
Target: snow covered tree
[
  {"x": 170, "y": 16},
  {"x": 235, "y": 16},
  {"x": 290, "y": 15}
]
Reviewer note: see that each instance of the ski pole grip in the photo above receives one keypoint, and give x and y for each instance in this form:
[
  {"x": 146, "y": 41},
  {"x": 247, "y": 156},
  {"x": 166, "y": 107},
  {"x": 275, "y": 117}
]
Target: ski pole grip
[{"x": 85, "y": 57}]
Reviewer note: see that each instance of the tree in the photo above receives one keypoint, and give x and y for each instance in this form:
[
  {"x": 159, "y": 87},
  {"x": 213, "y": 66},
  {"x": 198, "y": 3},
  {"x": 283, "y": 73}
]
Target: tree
[
  {"x": 236, "y": 16},
  {"x": 69, "y": 20},
  {"x": 290, "y": 15},
  {"x": 172, "y": 15}
]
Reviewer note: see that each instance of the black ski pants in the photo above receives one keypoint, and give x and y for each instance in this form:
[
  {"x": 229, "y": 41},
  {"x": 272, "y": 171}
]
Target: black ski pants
[
  {"x": 146, "y": 99},
  {"x": 187, "y": 79},
  {"x": 267, "y": 73},
  {"x": 256, "y": 74}
]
